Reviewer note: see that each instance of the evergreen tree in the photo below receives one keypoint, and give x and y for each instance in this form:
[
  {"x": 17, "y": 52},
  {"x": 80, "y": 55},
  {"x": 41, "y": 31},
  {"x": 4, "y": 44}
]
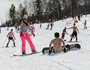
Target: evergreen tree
[
  {"x": 75, "y": 10},
  {"x": 12, "y": 13},
  {"x": 20, "y": 9},
  {"x": 24, "y": 12},
  {"x": 38, "y": 8}
]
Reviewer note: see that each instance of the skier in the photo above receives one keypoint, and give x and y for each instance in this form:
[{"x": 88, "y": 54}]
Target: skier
[
  {"x": 40, "y": 24},
  {"x": 25, "y": 36},
  {"x": 63, "y": 33},
  {"x": 51, "y": 24},
  {"x": 11, "y": 36},
  {"x": 57, "y": 43},
  {"x": 74, "y": 33},
  {"x": 48, "y": 24},
  {"x": 85, "y": 23}
]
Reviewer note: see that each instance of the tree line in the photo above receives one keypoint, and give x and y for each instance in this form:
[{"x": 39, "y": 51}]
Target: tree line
[{"x": 43, "y": 10}]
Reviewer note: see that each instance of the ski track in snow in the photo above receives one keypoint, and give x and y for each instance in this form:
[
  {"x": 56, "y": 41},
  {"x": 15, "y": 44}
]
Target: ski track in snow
[{"x": 62, "y": 65}]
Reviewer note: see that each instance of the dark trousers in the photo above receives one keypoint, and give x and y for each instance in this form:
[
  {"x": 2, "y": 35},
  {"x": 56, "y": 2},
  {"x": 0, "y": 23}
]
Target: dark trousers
[{"x": 74, "y": 34}]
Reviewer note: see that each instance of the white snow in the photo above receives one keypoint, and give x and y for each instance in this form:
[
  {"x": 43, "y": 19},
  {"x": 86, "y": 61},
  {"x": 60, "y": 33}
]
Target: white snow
[{"x": 72, "y": 60}]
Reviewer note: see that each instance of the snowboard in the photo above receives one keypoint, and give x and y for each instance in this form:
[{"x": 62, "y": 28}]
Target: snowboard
[
  {"x": 26, "y": 54},
  {"x": 73, "y": 47},
  {"x": 68, "y": 46},
  {"x": 47, "y": 51}
]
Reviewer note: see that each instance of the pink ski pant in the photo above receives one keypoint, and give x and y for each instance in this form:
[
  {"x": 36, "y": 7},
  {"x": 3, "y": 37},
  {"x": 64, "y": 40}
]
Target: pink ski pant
[{"x": 25, "y": 36}]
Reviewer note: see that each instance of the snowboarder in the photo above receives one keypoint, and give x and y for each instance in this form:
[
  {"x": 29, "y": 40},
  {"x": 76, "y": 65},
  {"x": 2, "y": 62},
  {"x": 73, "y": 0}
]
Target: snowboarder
[
  {"x": 11, "y": 36},
  {"x": 74, "y": 33},
  {"x": 57, "y": 43},
  {"x": 25, "y": 36},
  {"x": 63, "y": 33}
]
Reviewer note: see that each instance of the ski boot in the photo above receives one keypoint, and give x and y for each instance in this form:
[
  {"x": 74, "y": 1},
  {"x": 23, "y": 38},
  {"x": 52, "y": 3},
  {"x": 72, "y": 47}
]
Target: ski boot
[
  {"x": 34, "y": 51},
  {"x": 23, "y": 53}
]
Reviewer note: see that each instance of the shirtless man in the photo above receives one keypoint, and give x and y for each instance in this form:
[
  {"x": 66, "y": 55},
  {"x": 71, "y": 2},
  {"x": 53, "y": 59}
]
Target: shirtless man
[
  {"x": 74, "y": 33},
  {"x": 10, "y": 36},
  {"x": 57, "y": 43}
]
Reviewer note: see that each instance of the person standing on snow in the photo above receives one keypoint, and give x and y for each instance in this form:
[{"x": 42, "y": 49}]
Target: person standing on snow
[
  {"x": 51, "y": 24},
  {"x": 40, "y": 24},
  {"x": 85, "y": 24},
  {"x": 74, "y": 33},
  {"x": 48, "y": 24},
  {"x": 25, "y": 36},
  {"x": 11, "y": 37},
  {"x": 63, "y": 33}
]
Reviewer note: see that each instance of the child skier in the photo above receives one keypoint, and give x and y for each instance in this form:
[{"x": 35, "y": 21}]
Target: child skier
[
  {"x": 11, "y": 36},
  {"x": 63, "y": 33},
  {"x": 25, "y": 36}
]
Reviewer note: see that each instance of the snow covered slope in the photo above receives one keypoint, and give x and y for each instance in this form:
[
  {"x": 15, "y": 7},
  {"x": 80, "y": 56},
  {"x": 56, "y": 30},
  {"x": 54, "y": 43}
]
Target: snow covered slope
[{"x": 72, "y": 60}]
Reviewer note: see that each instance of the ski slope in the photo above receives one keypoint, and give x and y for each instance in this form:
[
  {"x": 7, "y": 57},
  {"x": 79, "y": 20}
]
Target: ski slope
[{"x": 72, "y": 60}]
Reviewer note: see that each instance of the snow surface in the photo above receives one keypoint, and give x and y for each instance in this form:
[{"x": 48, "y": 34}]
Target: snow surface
[{"x": 72, "y": 60}]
